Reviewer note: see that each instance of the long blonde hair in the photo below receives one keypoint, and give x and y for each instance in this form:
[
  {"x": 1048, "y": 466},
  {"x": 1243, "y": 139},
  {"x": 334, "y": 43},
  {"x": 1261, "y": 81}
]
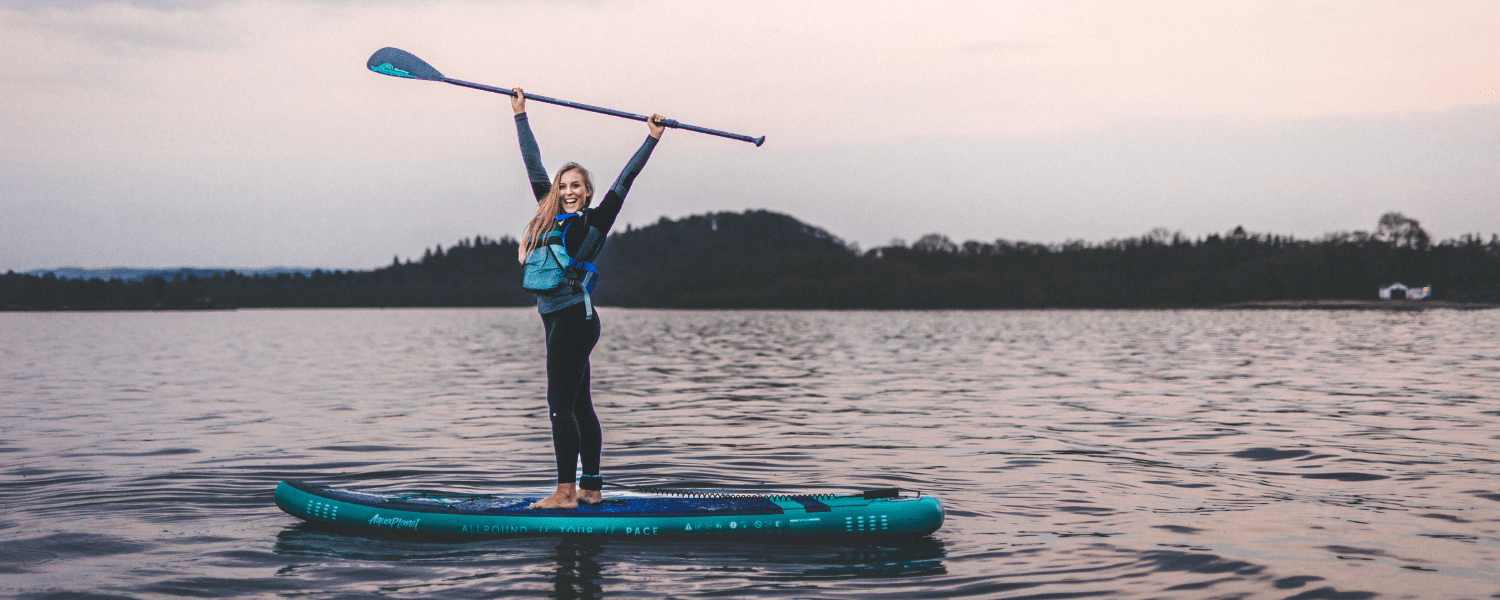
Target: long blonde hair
[{"x": 550, "y": 206}]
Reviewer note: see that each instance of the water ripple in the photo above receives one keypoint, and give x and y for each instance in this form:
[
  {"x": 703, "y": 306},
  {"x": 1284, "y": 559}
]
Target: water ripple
[{"x": 1080, "y": 454}]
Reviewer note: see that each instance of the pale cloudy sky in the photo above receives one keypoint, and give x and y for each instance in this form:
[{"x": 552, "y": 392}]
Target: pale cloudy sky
[{"x": 249, "y": 134}]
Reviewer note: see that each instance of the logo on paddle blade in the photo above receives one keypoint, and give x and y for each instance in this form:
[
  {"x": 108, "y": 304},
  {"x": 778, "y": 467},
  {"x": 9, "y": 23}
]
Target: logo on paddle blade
[{"x": 389, "y": 69}]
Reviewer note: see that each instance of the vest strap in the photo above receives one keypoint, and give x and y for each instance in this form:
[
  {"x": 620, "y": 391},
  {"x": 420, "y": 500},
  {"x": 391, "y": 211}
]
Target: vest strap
[{"x": 558, "y": 242}]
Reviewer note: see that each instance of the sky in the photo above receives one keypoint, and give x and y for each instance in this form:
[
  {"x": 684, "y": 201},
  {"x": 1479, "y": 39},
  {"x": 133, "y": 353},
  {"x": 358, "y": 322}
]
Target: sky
[{"x": 249, "y": 134}]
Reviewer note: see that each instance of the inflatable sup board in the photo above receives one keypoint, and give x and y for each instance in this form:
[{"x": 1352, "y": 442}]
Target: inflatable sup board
[{"x": 867, "y": 514}]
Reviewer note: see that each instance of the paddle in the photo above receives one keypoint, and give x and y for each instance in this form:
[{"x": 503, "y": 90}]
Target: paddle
[{"x": 400, "y": 63}]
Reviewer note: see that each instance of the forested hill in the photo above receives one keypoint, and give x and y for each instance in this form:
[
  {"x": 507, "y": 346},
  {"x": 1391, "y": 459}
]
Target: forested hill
[
  {"x": 760, "y": 259},
  {"x": 637, "y": 262}
]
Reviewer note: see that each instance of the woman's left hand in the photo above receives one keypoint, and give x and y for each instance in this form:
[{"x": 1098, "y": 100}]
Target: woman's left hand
[{"x": 656, "y": 127}]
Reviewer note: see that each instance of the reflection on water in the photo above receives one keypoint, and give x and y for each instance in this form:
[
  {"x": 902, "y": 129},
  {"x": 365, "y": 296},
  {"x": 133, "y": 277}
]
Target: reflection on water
[
  {"x": 1118, "y": 454},
  {"x": 579, "y": 567}
]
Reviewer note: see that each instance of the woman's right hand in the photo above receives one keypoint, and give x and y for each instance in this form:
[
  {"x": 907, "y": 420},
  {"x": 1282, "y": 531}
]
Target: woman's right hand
[{"x": 518, "y": 101}]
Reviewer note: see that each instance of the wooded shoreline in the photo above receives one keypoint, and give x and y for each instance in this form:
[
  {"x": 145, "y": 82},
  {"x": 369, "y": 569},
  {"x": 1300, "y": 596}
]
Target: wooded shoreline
[{"x": 765, "y": 260}]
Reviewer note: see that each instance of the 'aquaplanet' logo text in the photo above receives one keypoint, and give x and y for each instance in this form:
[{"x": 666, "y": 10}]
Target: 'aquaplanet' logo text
[{"x": 394, "y": 522}]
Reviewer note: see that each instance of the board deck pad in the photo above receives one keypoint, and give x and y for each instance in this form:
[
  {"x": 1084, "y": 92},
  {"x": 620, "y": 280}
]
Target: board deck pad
[{"x": 621, "y": 514}]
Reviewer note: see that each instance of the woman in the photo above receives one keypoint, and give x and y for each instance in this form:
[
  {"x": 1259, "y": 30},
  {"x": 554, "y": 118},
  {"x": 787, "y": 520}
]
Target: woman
[{"x": 569, "y": 319}]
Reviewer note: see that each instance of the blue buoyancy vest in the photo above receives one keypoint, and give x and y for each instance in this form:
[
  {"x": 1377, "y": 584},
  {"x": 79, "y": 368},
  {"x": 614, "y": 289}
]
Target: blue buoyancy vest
[{"x": 550, "y": 270}]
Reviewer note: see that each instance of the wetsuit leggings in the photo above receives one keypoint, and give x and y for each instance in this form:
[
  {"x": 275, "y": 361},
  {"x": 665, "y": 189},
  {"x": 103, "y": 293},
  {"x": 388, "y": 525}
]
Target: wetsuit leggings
[{"x": 571, "y": 336}]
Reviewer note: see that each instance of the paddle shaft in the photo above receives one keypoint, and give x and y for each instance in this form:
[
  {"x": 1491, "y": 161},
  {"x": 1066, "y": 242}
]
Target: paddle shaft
[{"x": 606, "y": 111}]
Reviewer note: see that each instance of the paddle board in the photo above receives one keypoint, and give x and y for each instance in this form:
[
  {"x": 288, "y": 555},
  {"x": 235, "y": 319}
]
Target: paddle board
[{"x": 866, "y": 514}]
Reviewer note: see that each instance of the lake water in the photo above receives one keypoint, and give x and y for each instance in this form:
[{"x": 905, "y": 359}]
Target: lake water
[{"x": 1079, "y": 454}]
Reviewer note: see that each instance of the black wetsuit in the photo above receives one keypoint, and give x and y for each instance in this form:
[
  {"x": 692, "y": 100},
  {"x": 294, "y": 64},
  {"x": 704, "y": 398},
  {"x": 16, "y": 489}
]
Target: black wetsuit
[{"x": 571, "y": 330}]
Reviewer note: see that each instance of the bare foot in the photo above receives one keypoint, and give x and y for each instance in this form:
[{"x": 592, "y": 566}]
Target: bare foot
[
  {"x": 565, "y": 497},
  {"x": 590, "y": 497}
]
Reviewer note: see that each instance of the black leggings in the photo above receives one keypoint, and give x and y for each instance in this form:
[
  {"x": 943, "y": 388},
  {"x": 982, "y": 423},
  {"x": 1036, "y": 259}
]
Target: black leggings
[{"x": 575, "y": 428}]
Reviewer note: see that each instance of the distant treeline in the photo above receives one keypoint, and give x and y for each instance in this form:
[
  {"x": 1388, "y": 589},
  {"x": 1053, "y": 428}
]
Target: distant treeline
[
  {"x": 760, "y": 259},
  {"x": 478, "y": 272}
]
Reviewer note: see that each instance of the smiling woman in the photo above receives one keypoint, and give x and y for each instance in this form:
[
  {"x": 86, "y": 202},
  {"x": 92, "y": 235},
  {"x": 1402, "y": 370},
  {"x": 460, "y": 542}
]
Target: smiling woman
[{"x": 559, "y": 246}]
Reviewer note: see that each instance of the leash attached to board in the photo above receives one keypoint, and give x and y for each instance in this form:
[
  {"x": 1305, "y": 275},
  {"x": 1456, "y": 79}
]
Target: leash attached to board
[{"x": 875, "y": 494}]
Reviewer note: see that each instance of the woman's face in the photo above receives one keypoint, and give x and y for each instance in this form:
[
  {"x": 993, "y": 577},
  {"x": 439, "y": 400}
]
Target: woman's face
[{"x": 572, "y": 191}]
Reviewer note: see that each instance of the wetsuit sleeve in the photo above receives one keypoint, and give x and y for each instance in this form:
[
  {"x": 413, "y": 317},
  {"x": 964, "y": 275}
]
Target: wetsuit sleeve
[
  {"x": 603, "y": 217},
  {"x": 540, "y": 183}
]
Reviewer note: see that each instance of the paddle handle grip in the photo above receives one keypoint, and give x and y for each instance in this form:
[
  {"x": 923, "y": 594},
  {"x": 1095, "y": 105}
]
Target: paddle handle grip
[{"x": 608, "y": 111}]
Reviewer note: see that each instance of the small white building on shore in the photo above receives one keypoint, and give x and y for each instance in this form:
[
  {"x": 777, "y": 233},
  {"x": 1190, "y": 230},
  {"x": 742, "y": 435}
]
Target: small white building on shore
[{"x": 1399, "y": 291}]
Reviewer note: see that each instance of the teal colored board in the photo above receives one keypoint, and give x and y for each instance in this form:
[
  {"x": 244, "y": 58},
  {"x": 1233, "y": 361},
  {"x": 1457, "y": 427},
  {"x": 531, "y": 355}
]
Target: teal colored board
[{"x": 823, "y": 515}]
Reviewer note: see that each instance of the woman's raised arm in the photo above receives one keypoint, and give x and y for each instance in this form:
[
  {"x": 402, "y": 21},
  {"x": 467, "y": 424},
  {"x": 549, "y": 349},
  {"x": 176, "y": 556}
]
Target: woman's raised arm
[
  {"x": 614, "y": 199},
  {"x": 540, "y": 183}
]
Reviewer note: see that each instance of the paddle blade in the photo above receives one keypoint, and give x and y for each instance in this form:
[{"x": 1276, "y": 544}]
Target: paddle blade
[{"x": 400, "y": 63}]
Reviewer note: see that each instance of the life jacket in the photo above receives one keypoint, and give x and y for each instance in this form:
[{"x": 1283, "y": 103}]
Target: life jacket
[{"x": 550, "y": 271}]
